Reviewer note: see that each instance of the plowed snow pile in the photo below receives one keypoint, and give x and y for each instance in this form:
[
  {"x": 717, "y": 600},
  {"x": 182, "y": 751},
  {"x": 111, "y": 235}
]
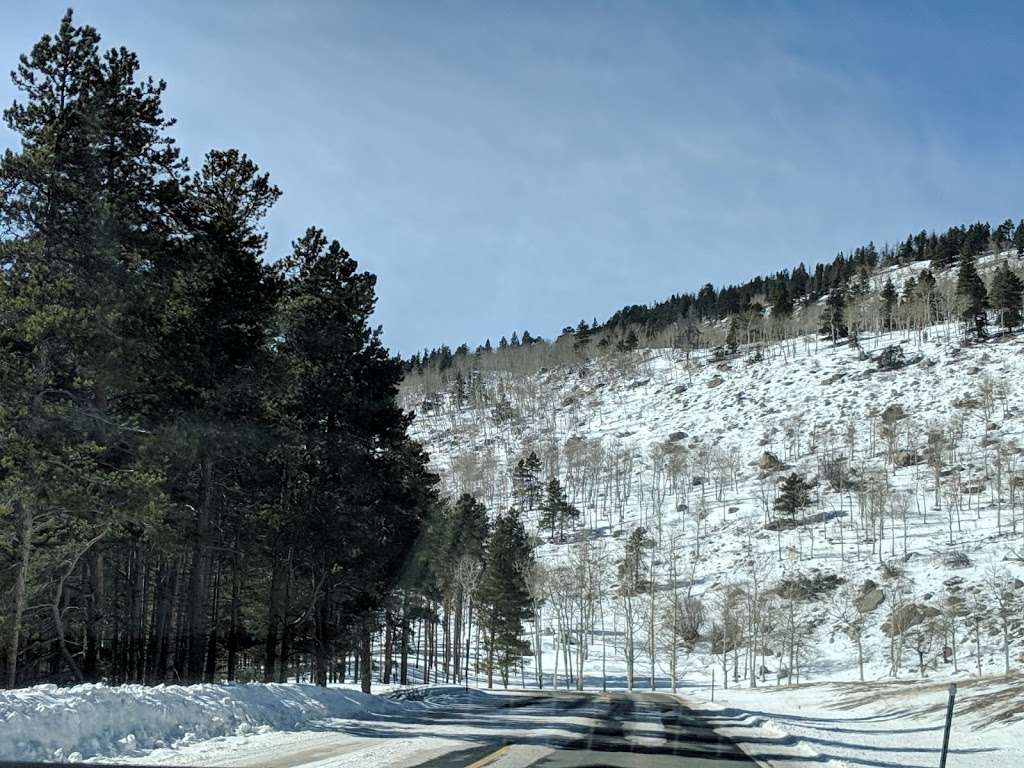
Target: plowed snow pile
[{"x": 50, "y": 723}]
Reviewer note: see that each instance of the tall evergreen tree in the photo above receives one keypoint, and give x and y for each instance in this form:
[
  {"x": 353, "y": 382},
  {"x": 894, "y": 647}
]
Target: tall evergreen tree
[
  {"x": 1006, "y": 297},
  {"x": 973, "y": 294},
  {"x": 629, "y": 343},
  {"x": 1018, "y": 237},
  {"x": 526, "y": 483},
  {"x": 504, "y": 596},
  {"x": 556, "y": 510},
  {"x": 833, "y": 319},
  {"x": 732, "y": 336},
  {"x": 782, "y": 306},
  {"x": 890, "y": 298},
  {"x": 84, "y": 209},
  {"x": 793, "y": 496}
]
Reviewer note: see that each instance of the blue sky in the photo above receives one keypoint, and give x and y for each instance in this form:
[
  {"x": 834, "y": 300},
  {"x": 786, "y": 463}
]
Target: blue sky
[{"x": 518, "y": 165}]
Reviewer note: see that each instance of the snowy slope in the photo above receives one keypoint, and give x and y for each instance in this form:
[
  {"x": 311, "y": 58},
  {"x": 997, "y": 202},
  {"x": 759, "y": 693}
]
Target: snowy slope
[
  {"x": 742, "y": 408},
  {"x": 803, "y": 400}
]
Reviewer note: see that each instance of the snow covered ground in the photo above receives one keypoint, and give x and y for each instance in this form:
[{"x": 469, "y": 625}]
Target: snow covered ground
[
  {"x": 888, "y": 725},
  {"x": 895, "y": 725},
  {"x": 46, "y": 722}
]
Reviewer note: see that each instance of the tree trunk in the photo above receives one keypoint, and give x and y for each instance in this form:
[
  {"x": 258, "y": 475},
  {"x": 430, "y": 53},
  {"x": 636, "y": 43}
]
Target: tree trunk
[
  {"x": 446, "y": 639},
  {"x": 93, "y": 617},
  {"x": 199, "y": 578},
  {"x": 211, "y": 648},
  {"x": 233, "y": 628},
  {"x": 389, "y": 635},
  {"x": 490, "y": 660},
  {"x": 163, "y": 614},
  {"x": 275, "y": 618},
  {"x": 403, "y": 670},
  {"x": 537, "y": 648},
  {"x": 322, "y": 641},
  {"x": 469, "y": 627},
  {"x": 136, "y": 632},
  {"x": 24, "y": 513},
  {"x": 365, "y": 657}
]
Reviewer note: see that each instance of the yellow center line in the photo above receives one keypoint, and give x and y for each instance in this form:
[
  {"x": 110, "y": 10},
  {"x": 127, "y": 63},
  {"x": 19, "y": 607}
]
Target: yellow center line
[{"x": 488, "y": 759}]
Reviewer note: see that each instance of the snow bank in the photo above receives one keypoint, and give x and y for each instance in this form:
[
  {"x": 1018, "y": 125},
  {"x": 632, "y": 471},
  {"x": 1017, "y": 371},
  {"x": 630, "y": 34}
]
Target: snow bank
[{"x": 51, "y": 723}]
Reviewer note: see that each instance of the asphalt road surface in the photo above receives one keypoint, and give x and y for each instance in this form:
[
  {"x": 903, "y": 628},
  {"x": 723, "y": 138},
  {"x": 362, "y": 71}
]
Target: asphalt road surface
[
  {"x": 499, "y": 730},
  {"x": 590, "y": 729}
]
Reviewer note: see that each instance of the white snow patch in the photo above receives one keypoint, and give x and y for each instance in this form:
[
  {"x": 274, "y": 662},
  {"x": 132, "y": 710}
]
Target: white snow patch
[{"x": 47, "y": 723}]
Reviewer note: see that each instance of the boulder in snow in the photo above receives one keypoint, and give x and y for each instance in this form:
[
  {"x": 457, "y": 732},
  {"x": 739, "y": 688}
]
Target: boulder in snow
[{"x": 870, "y": 600}]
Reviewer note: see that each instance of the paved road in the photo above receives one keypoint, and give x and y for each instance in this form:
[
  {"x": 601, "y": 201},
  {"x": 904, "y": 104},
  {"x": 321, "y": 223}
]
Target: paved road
[
  {"x": 589, "y": 729},
  {"x": 453, "y": 729}
]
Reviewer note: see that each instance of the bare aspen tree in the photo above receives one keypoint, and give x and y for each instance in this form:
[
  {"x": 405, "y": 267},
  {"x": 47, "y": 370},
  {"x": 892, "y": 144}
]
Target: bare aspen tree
[
  {"x": 921, "y": 639},
  {"x": 850, "y": 620},
  {"x": 538, "y": 581},
  {"x": 899, "y": 503},
  {"x": 672, "y": 614},
  {"x": 935, "y": 454},
  {"x": 726, "y": 627},
  {"x": 953, "y": 613},
  {"x": 758, "y": 570},
  {"x": 1005, "y": 601},
  {"x": 898, "y": 597},
  {"x": 632, "y": 585},
  {"x": 658, "y": 487},
  {"x": 977, "y": 613},
  {"x": 586, "y": 560}
]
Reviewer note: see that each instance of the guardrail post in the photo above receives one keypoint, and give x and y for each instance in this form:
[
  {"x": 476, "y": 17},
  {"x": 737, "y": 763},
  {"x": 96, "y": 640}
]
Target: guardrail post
[{"x": 949, "y": 724}]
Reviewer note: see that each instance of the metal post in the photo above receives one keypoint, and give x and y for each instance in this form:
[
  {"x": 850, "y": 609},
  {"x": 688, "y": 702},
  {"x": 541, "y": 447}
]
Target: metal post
[
  {"x": 949, "y": 723},
  {"x": 712, "y": 683}
]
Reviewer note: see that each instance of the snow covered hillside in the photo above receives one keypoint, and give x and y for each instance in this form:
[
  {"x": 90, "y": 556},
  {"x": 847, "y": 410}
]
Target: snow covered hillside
[{"x": 924, "y": 580}]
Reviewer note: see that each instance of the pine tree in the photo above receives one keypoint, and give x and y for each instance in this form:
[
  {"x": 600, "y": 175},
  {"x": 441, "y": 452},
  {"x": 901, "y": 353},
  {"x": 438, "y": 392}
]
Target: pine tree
[
  {"x": 1002, "y": 235},
  {"x": 633, "y": 568},
  {"x": 581, "y": 336},
  {"x": 629, "y": 343},
  {"x": 909, "y": 288},
  {"x": 890, "y": 298},
  {"x": 503, "y": 594},
  {"x": 352, "y": 473},
  {"x": 1018, "y": 238},
  {"x": 1006, "y": 297},
  {"x": 833, "y": 319},
  {"x": 526, "y": 483},
  {"x": 972, "y": 292},
  {"x": 84, "y": 205},
  {"x": 556, "y": 510},
  {"x": 469, "y": 530},
  {"x": 732, "y": 341},
  {"x": 782, "y": 306},
  {"x": 793, "y": 496},
  {"x": 460, "y": 389}
]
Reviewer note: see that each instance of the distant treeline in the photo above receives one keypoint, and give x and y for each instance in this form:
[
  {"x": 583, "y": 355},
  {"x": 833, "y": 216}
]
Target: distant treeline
[{"x": 798, "y": 285}]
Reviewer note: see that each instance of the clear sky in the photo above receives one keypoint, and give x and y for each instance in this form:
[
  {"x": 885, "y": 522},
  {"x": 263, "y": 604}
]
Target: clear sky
[{"x": 511, "y": 165}]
